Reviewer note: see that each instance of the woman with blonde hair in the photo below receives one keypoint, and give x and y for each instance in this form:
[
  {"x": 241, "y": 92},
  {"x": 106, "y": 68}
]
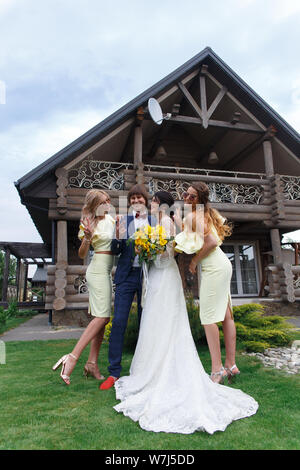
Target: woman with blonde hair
[
  {"x": 216, "y": 272},
  {"x": 96, "y": 229}
]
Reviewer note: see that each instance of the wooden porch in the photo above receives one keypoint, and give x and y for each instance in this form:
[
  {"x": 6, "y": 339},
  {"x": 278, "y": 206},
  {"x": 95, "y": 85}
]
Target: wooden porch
[{"x": 26, "y": 254}]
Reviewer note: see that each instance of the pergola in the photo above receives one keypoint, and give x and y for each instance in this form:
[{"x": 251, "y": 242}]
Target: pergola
[{"x": 26, "y": 254}]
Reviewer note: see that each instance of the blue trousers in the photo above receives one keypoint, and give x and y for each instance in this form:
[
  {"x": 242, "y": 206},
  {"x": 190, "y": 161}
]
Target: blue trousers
[{"x": 124, "y": 295}]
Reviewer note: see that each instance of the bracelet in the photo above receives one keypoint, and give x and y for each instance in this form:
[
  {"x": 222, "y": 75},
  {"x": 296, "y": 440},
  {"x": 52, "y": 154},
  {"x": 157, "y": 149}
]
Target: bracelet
[{"x": 87, "y": 239}]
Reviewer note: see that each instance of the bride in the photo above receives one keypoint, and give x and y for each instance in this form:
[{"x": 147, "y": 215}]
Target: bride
[{"x": 168, "y": 389}]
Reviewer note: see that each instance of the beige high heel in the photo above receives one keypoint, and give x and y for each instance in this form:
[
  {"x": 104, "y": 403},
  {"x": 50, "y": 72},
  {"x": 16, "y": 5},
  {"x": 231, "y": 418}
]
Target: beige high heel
[
  {"x": 87, "y": 372},
  {"x": 62, "y": 361}
]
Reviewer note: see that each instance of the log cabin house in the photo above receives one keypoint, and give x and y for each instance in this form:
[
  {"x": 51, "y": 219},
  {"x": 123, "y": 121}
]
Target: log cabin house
[{"x": 221, "y": 132}]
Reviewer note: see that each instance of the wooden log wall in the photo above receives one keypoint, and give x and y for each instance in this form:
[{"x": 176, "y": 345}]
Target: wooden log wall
[
  {"x": 277, "y": 199},
  {"x": 281, "y": 281},
  {"x": 57, "y": 280}
]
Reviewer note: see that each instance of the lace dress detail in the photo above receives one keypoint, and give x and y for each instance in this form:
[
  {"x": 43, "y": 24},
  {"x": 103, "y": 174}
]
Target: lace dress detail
[{"x": 168, "y": 389}]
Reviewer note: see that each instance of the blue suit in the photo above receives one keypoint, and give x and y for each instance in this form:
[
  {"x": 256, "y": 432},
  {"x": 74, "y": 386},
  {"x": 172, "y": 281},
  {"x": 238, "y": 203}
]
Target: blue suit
[{"x": 128, "y": 281}]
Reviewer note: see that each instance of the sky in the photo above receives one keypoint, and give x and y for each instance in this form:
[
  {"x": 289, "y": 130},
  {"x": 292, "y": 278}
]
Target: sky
[{"x": 65, "y": 65}]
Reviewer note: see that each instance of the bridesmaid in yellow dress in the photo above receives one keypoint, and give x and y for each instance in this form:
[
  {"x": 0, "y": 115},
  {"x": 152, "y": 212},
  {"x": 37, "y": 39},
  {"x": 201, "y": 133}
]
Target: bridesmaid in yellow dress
[
  {"x": 96, "y": 228},
  {"x": 216, "y": 272}
]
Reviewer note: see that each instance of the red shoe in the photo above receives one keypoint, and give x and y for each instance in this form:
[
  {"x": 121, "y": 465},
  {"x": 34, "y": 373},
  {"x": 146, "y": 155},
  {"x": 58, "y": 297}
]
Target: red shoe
[{"x": 108, "y": 383}]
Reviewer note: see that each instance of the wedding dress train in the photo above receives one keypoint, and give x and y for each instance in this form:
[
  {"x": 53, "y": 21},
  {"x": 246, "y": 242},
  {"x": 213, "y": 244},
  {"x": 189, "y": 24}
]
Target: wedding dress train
[{"x": 168, "y": 389}]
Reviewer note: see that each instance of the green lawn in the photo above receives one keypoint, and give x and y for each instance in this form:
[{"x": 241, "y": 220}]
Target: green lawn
[{"x": 39, "y": 412}]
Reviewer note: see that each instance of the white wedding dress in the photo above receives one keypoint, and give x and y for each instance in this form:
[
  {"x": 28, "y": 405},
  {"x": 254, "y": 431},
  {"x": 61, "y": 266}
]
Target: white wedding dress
[{"x": 168, "y": 389}]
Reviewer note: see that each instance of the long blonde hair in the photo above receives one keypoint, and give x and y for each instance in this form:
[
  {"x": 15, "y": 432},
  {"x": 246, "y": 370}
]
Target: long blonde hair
[
  {"x": 91, "y": 203},
  {"x": 212, "y": 216}
]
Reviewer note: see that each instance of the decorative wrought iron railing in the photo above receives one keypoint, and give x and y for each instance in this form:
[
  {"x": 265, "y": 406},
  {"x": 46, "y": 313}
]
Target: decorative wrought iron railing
[
  {"x": 80, "y": 284},
  {"x": 291, "y": 186},
  {"x": 99, "y": 174},
  {"x": 112, "y": 176},
  {"x": 219, "y": 192},
  {"x": 296, "y": 282}
]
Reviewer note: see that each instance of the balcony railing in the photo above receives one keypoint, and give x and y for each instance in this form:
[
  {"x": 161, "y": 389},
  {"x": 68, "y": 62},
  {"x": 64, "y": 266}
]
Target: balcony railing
[
  {"x": 291, "y": 187},
  {"x": 225, "y": 186},
  {"x": 99, "y": 174}
]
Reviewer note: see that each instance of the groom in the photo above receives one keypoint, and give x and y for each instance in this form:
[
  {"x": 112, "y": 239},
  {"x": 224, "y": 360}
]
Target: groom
[{"x": 128, "y": 278}]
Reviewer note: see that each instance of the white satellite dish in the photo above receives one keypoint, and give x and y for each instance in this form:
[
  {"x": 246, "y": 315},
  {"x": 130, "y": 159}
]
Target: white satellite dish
[{"x": 155, "y": 111}]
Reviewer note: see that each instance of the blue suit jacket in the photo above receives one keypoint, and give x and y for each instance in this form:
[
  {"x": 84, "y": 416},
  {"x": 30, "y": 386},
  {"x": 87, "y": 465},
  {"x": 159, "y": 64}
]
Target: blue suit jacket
[{"x": 126, "y": 252}]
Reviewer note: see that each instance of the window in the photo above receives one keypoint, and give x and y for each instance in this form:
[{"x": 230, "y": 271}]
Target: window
[{"x": 245, "y": 279}]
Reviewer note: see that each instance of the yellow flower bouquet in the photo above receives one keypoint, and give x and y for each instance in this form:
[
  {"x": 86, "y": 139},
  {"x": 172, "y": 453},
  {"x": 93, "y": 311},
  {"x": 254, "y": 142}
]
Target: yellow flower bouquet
[{"x": 149, "y": 242}]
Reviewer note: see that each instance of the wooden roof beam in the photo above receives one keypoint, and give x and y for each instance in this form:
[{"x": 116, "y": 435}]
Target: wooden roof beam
[
  {"x": 222, "y": 124},
  {"x": 203, "y": 98},
  {"x": 216, "y": 101},
  {"x": 190, "y": 99}
]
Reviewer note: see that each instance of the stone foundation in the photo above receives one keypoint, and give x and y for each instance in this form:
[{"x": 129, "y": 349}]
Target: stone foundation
[
  {"x": 285, "y": 309},
  {"x": 71, "y": 318}
]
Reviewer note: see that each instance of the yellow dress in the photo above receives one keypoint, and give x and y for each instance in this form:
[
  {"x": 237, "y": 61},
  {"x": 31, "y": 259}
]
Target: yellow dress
[
  {"x": 214, "y": 291},
  {"x": 98, "y": 273},
  {"x": 214, "y": 274},
  {"x": 188, "y": 242}
]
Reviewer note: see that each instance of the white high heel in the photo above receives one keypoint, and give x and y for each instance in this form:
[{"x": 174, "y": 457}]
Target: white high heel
[
  {"x": 62, "y": 361},
  {"x": 231, "y": 375},
  {"x": 219, "y": 374}
]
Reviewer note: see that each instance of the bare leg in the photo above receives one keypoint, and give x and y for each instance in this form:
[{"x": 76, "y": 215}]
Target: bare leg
[
  {"x": 92, "y": 362},
  {"x": 95, "y": 346},
  {"x": 229, "y": 338},
  {"x": 89, "y": 333},
  {"x": 213, "y": 340}
]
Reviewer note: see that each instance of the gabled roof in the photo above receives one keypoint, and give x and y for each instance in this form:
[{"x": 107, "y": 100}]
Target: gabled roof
[{"x": 218, "y": 68}]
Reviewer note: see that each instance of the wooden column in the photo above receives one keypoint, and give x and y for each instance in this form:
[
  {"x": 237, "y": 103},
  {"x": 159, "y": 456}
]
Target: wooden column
[
  {"x": 138, "y": 145},
  {"x": 5, "y": 274},
  {"x": 18, "y": 277},
  {"x": 25, "y": 282},
  {"x": 61, "y": 190},
  {"x": 203, "y": 96},
  {"x": 268, "y": 157},
  {"x": 62, "y": 244},
  {"x": 276, "y": 245},
  {"x": 138, "y": 154},
  {"x": 59, "y": 302}
]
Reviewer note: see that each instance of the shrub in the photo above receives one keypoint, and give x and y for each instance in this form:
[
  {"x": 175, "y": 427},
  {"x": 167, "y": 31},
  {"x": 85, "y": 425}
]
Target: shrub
[
  {"x": 131, "y": 333},
  {"x": 26, "y": 313},
  {"x": 254, "y": 331},
  {"x": 3, "y": 317},
  {"x": 12, "y": 310},
  {"x": 194, "y": 319},
  {"x": 256, "y": 346}
]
